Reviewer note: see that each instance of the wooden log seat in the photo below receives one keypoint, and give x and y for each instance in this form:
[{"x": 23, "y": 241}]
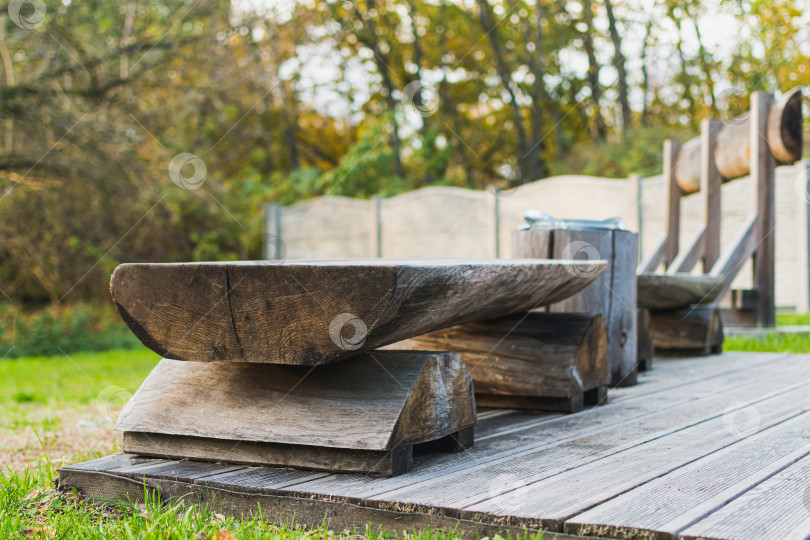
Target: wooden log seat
[
  {"x": 535, "y": 360},
  {"x": 364, "y": 414}
]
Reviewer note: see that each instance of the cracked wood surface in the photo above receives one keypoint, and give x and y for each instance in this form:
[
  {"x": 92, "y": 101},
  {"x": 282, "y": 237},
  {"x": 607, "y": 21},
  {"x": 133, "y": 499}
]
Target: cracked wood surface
[{"x": 316, "y": 312}]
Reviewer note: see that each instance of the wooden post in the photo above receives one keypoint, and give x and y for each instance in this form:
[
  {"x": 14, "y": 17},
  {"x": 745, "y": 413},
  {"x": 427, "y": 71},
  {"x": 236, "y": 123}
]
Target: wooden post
[
  {"x": 378, "y": 242},
  {"x": 271, "y": 246},
  {"x": 671, "y": 149},
  {"x": 803, "y": 226},
  {"x": 763, "y": 172},
  {"x": 635, "y": 180},
  {"x": 613, "y": 293},
  {"x": 710, "y": 183}
]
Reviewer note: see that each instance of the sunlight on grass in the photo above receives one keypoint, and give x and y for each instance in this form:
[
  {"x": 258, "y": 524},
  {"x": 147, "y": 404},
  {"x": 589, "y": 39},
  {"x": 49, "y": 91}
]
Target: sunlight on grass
[{"x": 76, "y": 378}]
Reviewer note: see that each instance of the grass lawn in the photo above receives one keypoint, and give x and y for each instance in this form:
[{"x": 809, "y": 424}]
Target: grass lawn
[
  {"x": 61, "y": 409},
  {"x": 798, "y": 343}
]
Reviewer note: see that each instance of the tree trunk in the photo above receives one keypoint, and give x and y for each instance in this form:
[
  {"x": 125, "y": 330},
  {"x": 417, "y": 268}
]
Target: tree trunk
[
  {"x": 369, "y": 38},
  {"x": 645, "y": 85},
  {"x": 417, "y": 60},
  {"x": 449, "y": 104},
  {"x": 505, "y": 74},
  {"x": 705, "y": 65},
  {"x": 593, "y": 71},
  {"x": 619, "y": 63}
]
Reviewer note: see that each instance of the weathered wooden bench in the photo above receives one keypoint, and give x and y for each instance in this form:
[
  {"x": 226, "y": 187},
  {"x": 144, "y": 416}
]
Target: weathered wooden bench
[{"x": 277, "y": 363}]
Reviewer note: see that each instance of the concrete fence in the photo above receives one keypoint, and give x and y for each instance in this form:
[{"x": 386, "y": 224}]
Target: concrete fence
[{"x": 447, "y": 222}]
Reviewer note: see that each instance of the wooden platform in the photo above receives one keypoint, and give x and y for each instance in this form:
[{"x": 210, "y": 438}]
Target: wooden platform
[{"x": 701, "y": 448}]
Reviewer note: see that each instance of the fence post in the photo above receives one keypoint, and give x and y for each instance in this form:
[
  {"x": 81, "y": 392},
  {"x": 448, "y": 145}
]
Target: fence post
[
  {"x": 635, "y": 192},
  {"x": 378, "y": 224},
  {"x": 272, "y": 232},
  {"x": 802, "y": 188},
  {"x": 497, "y": 193}
]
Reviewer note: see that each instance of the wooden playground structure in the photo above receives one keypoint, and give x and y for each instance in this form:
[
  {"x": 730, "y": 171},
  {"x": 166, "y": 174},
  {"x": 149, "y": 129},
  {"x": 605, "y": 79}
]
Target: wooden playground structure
[{"x": 754, "y": 143}]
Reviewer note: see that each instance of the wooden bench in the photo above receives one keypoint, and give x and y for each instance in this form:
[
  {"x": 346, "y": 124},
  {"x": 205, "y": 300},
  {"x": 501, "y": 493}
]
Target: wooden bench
[{"x": 278, "y": 363}]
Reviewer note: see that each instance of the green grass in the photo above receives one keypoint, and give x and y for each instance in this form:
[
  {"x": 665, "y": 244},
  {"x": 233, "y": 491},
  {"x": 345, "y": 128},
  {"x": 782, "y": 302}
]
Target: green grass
[
  {"x": 72, "y": 379},
  {"x": 795, "y": 342}
]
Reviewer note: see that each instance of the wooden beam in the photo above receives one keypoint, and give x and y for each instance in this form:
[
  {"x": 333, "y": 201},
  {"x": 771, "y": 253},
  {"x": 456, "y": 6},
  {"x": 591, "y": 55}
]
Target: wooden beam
[
  {"x": 730, "y": 264},
  {"x": 651, "y": 262},
  {"x": 544, "y": 361},
  {"x": 688, "y": 258},
  {"x": 763, "y": 171},
  {"x": 340, "y": 417},
  {"x": 711, "y": 183},
  {"x": 671, "y": 150},
  {"x": 781, "y": 130},
  {"x": 316, "y": 312}
]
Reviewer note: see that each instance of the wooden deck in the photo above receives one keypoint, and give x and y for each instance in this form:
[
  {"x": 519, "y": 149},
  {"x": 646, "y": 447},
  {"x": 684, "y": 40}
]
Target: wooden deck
[{"x": 715, "y": 447}]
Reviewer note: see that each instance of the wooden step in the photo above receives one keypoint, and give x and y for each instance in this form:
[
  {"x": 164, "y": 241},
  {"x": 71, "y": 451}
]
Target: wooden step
[
  {"x": 673, "y": 291},
  {"x": 538, "y": 361},
  {"x": 316, "y": 312},
  {"x": 364, "y": 414}
]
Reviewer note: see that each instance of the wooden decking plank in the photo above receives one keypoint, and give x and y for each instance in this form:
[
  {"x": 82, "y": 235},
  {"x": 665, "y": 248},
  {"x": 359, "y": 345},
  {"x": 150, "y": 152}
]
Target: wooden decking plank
[
  {"x": 777, "y": 508},
  {"x": 477, "y": 484},
  {"x": 568, "y": 428},
  {"x": 495, "y": 424},
  {"x": 178, "y": 470},
  {"x": 676, "y": 372},
  {"x": 115, "y": 461},
  {"x": 548, "y": 503},
  {"x": 259, "y": 479},
  {"x": 661, "y": 508},
  {"x": 153, "y": 463}
]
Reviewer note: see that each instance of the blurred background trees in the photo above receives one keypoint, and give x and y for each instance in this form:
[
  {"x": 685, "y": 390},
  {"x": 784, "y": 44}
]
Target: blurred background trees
[{"x": 284, "y": 101}]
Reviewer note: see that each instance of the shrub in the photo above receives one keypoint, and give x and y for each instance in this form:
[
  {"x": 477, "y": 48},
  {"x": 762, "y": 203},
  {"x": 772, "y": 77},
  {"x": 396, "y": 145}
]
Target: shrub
[{"x": 59, "y": 329}]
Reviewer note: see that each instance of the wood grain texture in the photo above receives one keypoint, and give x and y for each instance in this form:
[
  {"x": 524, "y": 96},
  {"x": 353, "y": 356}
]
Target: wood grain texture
[
  {"x": 554, "y": 500},
  {"x": 315, "y": 312},
  {"x": 613, "y": 293},
  {"x": 776, "y": 508},
  {"x": 376, "y": 402},
  {"x": 697, "y": 330},
  {"x": 672, "y": 291},
  {"x": 376, "y": 462},
  {"x": 532, "y": 355},
  {"x": 660, "y": 509}
]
